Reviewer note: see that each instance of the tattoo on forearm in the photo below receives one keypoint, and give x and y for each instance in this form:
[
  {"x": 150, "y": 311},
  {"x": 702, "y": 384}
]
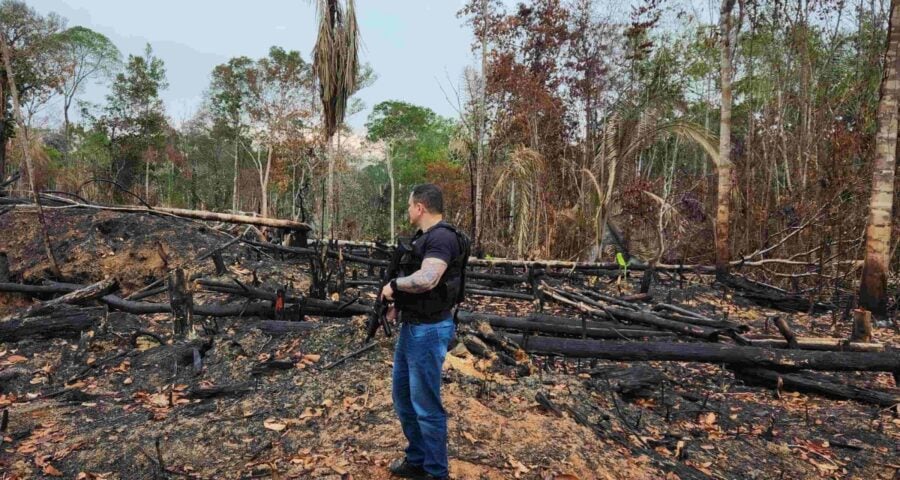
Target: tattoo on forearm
[{"x": 425, "y": 278}]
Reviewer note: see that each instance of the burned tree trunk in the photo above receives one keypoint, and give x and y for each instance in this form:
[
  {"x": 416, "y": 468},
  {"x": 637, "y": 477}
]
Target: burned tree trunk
[
  {"x": 814, "y": 343},
  {"x": 82, "y": 295},
  {"x": 573, "y": 326},
  {"x": 63, "y": 324},
  {"x": 807, "y": 382},
  {"x": 182, "y": 302},
  {"x": 862, "y": 326},
  {"x": 781, "y": 360}
]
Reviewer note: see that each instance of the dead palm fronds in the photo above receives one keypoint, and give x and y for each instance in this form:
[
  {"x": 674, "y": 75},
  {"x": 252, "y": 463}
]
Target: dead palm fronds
[
  {"x": 523, "y": 174},
  {"x": 624, "y": 138},
  {"x": 667, "y": 214},
  {"x": 336, "y": 60},
  {"x": 336, "y": 66}
]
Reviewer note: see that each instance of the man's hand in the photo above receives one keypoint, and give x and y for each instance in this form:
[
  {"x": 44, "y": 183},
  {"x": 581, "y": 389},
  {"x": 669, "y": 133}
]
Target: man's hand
[
  {"x": 387, "y": 293},
  {"x": 391, "y": 313}
]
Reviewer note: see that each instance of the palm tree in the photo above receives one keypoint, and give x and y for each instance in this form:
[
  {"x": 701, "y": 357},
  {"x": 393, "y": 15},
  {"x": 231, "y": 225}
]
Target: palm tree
[
  {"x": 336, "y": 65},
  {"x": 873, "y": 285}
]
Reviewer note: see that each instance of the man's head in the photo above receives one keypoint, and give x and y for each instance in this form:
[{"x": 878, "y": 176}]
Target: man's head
[{"x": 426, "y": 205}]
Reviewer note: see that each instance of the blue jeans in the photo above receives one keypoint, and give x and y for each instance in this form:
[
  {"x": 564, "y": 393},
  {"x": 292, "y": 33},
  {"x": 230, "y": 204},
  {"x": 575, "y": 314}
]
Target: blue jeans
[{"x": 418, "y": 359}]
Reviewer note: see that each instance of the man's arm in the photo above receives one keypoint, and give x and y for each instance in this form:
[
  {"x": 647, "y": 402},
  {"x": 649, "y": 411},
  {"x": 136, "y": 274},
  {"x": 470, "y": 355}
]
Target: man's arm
[{"x": 425, "y": 278}]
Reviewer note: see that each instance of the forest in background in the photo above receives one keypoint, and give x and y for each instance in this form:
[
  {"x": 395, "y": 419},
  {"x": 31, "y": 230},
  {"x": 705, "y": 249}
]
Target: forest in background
[{"x": 577, "y": 135}]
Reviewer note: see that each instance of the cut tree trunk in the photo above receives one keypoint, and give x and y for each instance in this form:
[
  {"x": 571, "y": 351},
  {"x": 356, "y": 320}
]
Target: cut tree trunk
[
  {"x": 786, "y": 332},
  {"x": 282, "y": 327},
  {"x": 768, "y": 296},
  {"x": 781, "y": 360},
  {"x": 181, "y": 301},
  {"x": 82, "y": 295},
  {"x": 500, "y": 294},
  {"x": 862, "y": 326},
  {"x": 644, "y": 318},
  {"x": 4, "y": 267},
  {"x": 808, "y": 382},
  {"x": 311, "y": 306},
  {"x": 200, "y": 215},
  {"x": 62, "y": 324},
  {"x": 814, "y": 343},
  {"x": 589, "y": 329}
]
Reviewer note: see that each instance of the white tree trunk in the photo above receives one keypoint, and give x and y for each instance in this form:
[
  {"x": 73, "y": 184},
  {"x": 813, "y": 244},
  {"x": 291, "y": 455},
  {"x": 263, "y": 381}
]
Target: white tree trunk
[
  {"x": 390, "y": 172},
  {"x": 873, "y": 285},
  {"x": 234, "y": 192},
  {"x": 724, "y": 166}
]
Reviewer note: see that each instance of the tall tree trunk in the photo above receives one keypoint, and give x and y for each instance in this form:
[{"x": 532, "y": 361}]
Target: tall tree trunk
[
  {"x": 873, "y": 286},
  {"x": 336, "y": 195},
  {"x": 390, "y": 171},
  {"x": 7, "y": 64},
  {"x": 3, "y": 137},
  {"x": 66, "y": 126},
  {"x": 234, "y": 192},
  {"x": 327, "y": 225},
  {"x": 477, "y": 226},
  {"x": 724, "y": 165},
  {"x": 147, "y": 180},
  {"x": 264, "y": 182}
]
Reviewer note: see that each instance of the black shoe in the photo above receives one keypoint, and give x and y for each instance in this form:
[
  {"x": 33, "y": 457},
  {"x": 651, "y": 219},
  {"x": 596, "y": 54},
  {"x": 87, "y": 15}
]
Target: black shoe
[{"x": 408, "y": 470}]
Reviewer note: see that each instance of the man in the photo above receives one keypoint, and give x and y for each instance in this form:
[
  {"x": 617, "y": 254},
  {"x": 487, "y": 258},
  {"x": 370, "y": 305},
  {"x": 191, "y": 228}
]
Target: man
[{"x": 425, "y": 297}]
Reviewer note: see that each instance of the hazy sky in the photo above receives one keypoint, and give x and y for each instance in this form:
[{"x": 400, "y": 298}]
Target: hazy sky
[{"x": 415, "y": 46}]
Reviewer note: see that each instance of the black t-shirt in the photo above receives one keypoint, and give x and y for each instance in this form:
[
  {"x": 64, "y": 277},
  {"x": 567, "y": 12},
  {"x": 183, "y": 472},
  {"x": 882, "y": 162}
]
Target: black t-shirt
[{"x": 440, "y": 243}]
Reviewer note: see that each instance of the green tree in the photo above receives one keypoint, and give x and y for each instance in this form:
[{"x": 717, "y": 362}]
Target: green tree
[
  {"x": 415, "y": 137},
  {"x": 135, "y": 118},
  {"x": 227, "y": 97},
  {"x": 278, "y": 87},
  {"x": 87, "y": 54},
  {"x": 34, "y": 50}
]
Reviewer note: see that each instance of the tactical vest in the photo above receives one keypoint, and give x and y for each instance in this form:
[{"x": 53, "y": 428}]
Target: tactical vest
[{"x": 434, "y": 305}]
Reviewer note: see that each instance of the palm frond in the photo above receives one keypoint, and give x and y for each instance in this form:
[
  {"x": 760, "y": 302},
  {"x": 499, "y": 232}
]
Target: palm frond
[{"x": 336, "y": 59}]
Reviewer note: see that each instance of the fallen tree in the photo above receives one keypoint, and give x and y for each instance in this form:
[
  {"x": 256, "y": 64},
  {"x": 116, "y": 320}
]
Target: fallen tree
[
  {"x": 574, "y": 326},
  {"x": 736, "y": 356},
  {"x": 814, "y": 343},
  {"x": 180, "y": 212},
  {"x": 769, "y": 296},
  {"x": 309, "y": 306},
  {"x": 61, "y": 324},
  {"x": 811, "y": 383},
  {"x": 646, "y": 318},
  {"x": 81, "y": 295},
  {"x": 312, "y": 306}
]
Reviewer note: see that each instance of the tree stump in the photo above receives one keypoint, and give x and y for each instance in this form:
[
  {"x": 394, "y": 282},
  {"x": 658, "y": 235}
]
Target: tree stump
[
  {"x": 4, "y": 267},
  {"x": 647, "y": 278},
  {"x": 786, "y": 331},
  {"x": 219, "y": 262},
  {"x": 181, "y": 300},
  {"x": 862, "y": 326}
]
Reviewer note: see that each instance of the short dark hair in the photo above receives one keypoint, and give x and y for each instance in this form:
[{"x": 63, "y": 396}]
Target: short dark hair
[{"x": 430, "y": 195}]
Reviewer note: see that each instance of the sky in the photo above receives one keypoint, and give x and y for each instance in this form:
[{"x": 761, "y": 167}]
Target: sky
[{"x": 416, "y": 47}]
